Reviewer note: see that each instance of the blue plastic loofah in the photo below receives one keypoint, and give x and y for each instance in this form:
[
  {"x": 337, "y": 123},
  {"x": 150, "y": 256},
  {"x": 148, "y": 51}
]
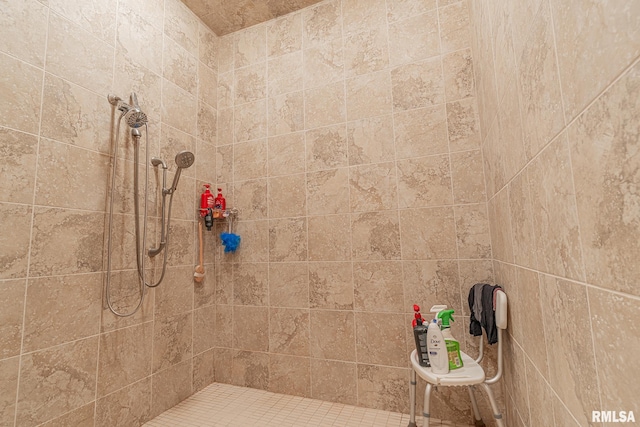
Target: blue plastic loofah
[{"x": 230, "y": 241}]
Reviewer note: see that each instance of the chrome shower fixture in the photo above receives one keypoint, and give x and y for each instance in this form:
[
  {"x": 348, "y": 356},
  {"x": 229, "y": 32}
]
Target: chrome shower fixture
[
  {"x": 184, "y": 159},
  {"x": 133, "y": 115}
]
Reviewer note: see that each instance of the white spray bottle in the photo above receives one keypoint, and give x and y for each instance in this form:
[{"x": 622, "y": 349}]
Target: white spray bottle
[{"x": 437, "y": 349}]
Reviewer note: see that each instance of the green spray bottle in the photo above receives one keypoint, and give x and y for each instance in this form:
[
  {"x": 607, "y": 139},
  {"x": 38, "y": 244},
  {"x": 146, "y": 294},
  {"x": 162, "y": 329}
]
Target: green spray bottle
[{"x": 453, "y": 346}]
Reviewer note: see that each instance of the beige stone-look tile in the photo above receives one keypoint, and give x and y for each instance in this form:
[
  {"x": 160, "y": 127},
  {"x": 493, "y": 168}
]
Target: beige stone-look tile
[
  {"x": 65, "y": 43},
  {"x": 375, "y": 236},
  {"x": 223, "y": 332},
  {"x": 250, "y": 83},
  {"x": 515, "y": 377},
  {"x": 613, "y": 319},
  {"x": 435, "y": 241},
  {"x": 455, "y": 31},
  {"x": 251, "y": 284},
  {"x": 9, "y": 370},
  {"x": 250, "y": 121},
  {"x": 179, "y": 66},
  {"x": 203, "y": 370},
  {"x": 288, "y": 284},
  {"x": 334, "y": 381},
  {"x": 555, "y": 218},
  {"x": 224, "y": 163},
  {"x": 562, "y": 416},
  {"x": 332, "y": 335},
  {"x": 329, "y": 238},
  {"x": 376, "y": 286},
  {"x": 325, "y": 105},
  {"x": 403, "y": 9},
  {"x": 287, "y": 196},
  {"x": 286, "y": 113},
  {"x": 522, "y": 222},
  {"x": 463, "y": 125},
  {"x": 330, "y": 285},
  {"x": 207, "y": 100},
  {"x": 208, "y": 47},
  {"x": 172, "y": 341},
  {"x": 500, "y": 227},
  {"x": 23, "y": 31},
  {"x": 285, "y": 74},
  {"x": 420, "y": 132},
  {"x": 124, "y": 294},
  {"x": 383, "y": 387},
  {"x": 61, "y": 309},
  {"x": 321, "y": 23},
  {"x": 534, "y": 340},
  {"x": 169, "y": 387},
  {"x": 12, "y": 294},
  {"x": 250, "y": 369},
  {"x": 139, "y": 37},
  {"x": 204, "y": 330},
  {"x": 370, "y": 140},
  {"x": 19, "y": 151},
  {"x": 250, "y": 160},
  {"x": 604, "y": 170},
  {"x": 226, "y": 131},
  {"x": 181, "y": 251},
  {"x": 75, "y": 116},
  {"x": 366, "y": 51},
  {"x": 289, "y": 331},
  {"x": 414, "y": 38},
  {"x": 251, "y": 328},
  {"x": 56, "y": 380},
  {"x": 250, "y": 198},
  {"x": 130, "y": 76},
  {"x": 540, "y": 397},
  {"x": 428, "y": 282},
  {"x": 222, "y": 365},
  {"x": 255, "y": 241},
  {"x": 130, "y": 405},
  {"x": 373, "y": 187},
  {"x": 467, "y": 175},
  {"x": 472, "y": 230},
  {"x": 181, "y": 25},
  {"x": 14, "y": 241},
  {"x": 284, "y": 35},
  {"x": 179, "y": 108},
  {"x": 368, "y": 95},
  {"x": 458, "y": 75},
  {"x": 226, "y": 90},
  {"x": 328, "y": 192},
  {"x": 424, "y": 181},
  {"x": 288, "y": 239},
  {"x": 289, "y": 375},
  {"x": 172, "y": 142},
  {"x": 71, "y": 177},
  {"x": 117, "y": 369},
  {"x": 82, "y": 416},
  {"x": 286, "y": 154},
  {"x": 539, "y": 85},
  {"x": 323, "y": 64},
  {"x": 472, "y": 272},
  {"x": 20, "y": 112},
  {"x": 382, "y": 342},
  {"x": 360, "y": 16},
  {"x": 572, "y": 367},
  {"x": 226, "y": 54},
  {"x": 595, "y": 43},
  {"x": 207, "y": 127},
  {"x": 417, "y": 85},
  {"x": 250, "y": 46},
  {"x": 78, "y": 232},
  {"x": 326, "y": 148}
]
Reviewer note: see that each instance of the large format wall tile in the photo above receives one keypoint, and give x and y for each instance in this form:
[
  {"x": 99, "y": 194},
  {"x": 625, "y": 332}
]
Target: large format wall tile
[
  {"x": 11, "y": 298},
  {"x": 19, "y": 151},
  {"x": 14, "y": 241},
  {"x": 289, "y": 375},
  {"x": 334, "y": 381},
  {"x": 28, "y": 46},
  {"x": 130, "y": 405},
  {"x": 9, "y": 386},
  {"x": 332, "y": 335},
  {"x": 96, "y": 16},
  {"x": 56, "y": 380},
  {"x": 605, "y": 173},
  {"x": 21, "y": 90}
]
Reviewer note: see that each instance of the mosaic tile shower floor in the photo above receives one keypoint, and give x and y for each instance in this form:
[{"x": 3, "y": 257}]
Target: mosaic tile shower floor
[{"x": 224, "y": 405}]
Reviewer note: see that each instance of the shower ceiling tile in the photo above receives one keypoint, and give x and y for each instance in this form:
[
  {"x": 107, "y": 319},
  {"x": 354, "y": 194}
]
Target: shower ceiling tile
[{"x": 226, "y": 16}]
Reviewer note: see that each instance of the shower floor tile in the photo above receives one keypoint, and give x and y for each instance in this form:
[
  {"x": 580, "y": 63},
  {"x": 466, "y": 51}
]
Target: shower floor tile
[{"x": 224, "y": 405}]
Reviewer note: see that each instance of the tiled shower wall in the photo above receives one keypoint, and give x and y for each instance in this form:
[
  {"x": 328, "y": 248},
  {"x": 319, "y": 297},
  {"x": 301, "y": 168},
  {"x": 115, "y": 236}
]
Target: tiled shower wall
[
  {"x": 558, "y": 90},
  {"x": 64, "y": 358},
  {"x": 349, "y": 141}
]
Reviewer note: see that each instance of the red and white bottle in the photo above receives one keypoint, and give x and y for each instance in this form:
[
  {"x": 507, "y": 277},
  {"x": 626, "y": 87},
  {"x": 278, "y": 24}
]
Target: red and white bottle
[
  {"x": 219, "y": 205},
  {"x": 206, "y": 201}
]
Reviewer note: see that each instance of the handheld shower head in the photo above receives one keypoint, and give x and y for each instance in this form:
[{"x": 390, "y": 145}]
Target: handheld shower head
[
  {"x": 184, "y": 159},
  {"x": 134, "y": 116}
]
